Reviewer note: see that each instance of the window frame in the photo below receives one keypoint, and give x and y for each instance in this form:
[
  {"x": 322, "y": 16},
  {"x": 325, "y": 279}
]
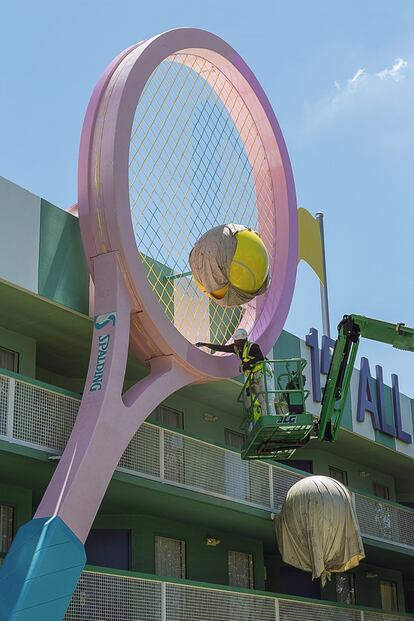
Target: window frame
[
  {"x": 238, "y": 434},
  {"x": 251, "y": 576},
  {"x": 13, "y": 525},
  {"x": 160, "y": 410},
  {"x": 352, "y": 588},
  {"x": 16, "y": 357},
  {"x": 344, "y": 478},
  {"x": 385, "y": 488},
  {"x": 183, "y": 543},
  {"x": 393, "y": 584}
]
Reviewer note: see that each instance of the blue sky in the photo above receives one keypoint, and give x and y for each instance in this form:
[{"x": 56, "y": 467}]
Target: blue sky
[{"x": 340, "y": 76}]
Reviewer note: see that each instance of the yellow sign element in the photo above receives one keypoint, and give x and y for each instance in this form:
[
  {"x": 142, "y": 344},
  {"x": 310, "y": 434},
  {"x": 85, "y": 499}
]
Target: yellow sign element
[
  {"x": 250, "y": 264},
  {"x": 310, "y": 243}
]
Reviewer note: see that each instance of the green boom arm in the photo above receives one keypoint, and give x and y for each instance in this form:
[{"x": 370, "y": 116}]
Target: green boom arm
[{"x": 339, "y": 377}]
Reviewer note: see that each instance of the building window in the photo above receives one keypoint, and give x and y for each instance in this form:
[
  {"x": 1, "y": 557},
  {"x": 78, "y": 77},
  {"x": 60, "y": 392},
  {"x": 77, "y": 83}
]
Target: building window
[
  {"x": 109, "y": 547},
  {"x": 240, "y": 569},
  {"x": 6, "y": 530},
  {"x": 233, "y": 439},
  {"x": 170, "y": 557},
  {"x": 338, "y": 475},
  {"x": 389, "y": 599},
  {"x": 382, "y": 491},
  {"x": 169, "y": 417},
  {"x": 9, "y": 360},
  {"x": 345, "y": 588},
  {"x": 306, "y": 465}
]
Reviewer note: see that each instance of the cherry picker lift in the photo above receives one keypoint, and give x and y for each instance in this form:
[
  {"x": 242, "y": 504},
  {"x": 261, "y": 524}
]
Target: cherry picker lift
[{"x": 287, "y": 426}]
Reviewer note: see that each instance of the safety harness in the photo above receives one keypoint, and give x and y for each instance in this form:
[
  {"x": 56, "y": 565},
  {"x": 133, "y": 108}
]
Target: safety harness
[{"x": 246, "y": 358}]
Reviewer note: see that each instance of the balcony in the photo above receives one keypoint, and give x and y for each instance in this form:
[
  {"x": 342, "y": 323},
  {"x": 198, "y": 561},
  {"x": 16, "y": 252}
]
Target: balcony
[
  {"x": 108, "y": 595},
  {"x": 40, "y": 417}
]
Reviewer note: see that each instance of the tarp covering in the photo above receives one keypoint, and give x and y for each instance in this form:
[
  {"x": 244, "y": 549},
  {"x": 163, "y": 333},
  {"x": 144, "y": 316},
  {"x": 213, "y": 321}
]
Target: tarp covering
[
  {"x": 317, "y": 529},
  {"x": 210, "y": 261}
]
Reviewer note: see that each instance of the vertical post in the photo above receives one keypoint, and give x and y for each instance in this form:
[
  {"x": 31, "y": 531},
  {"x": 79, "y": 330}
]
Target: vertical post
[
  {"x": 362, "y": 615},
  {"x": 277, "y": 613},
  {"x": 163, "y": 601},
  {"x": 324, "y": 289},
  {"x": 264, "y": 370},
  {"x": 271, "y": 495},
  {"x": 10, "y": 408},
  {"x": 162, "y": 454}
]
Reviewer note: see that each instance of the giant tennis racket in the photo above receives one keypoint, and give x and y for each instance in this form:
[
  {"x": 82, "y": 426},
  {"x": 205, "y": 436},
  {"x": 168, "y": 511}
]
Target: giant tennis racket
[{"x": 178, "y": 138}]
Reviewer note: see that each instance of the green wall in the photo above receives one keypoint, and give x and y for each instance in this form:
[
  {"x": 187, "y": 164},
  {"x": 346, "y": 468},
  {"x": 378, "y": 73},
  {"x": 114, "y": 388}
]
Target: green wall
[
  {"x": 63, "y": 273},
  {"x": 25, "y": 347},
  {"x": 287, "y": 346},
  {"x": 73, "y": 384},
  {"x": 194, "y": 424},
  {"x": 323, "y": 459},
  {"x": 203, "y": 563},
  {"x": 20, "y": 499},
  {"x": 367, "y": 590}
]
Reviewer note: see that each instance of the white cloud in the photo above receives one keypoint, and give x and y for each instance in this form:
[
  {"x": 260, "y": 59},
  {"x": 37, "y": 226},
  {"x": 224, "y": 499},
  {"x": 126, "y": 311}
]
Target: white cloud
[
  {"x": 396, "y": 72},
  {"x": 362, "y": 89},
  {"x": 361, "y": 77},
  {"x": 357, "y": 78}
]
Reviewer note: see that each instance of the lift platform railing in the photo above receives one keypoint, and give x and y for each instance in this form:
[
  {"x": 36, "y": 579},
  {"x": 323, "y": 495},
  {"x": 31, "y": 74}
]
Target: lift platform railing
[{"x": 275, "y": 419}]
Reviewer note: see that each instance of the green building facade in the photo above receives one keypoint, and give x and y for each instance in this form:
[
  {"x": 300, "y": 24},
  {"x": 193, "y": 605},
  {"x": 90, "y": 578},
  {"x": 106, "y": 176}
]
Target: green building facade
[{"x": 186, "y": 528}]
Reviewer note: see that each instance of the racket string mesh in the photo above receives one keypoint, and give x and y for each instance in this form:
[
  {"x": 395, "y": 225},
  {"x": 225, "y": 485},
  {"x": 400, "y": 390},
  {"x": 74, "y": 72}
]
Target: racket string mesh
[{"x": 196, "y": 161}]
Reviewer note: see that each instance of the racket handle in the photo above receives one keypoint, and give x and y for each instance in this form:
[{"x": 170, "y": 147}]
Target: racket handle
[{"x": 40, "y": 572}]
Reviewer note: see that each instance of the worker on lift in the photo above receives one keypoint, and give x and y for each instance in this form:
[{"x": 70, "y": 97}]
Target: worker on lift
[{"x": 254, "y": 368}]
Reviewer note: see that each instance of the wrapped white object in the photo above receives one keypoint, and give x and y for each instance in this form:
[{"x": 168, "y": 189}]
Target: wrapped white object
[
  {"x": 317, "y": 529},
  {"x": 210, "y": 262}
]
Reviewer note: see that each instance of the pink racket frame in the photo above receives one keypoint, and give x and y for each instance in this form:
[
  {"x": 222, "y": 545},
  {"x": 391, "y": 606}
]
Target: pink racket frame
[
  {"x": 104, "y": 192},
  {"x": 126, "y": 310}
]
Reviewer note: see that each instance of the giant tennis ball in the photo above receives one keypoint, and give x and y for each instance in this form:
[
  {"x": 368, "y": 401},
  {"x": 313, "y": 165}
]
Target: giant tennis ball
[
  {"x": 250, "y": 264},
  {"x": 230, "y": 264}
]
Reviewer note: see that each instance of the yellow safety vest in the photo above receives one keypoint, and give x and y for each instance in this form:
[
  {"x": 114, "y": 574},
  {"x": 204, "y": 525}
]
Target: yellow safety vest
[{"x": 245, "y": 357}]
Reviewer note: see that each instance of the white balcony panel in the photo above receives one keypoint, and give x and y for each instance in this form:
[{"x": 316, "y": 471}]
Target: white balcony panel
[
  {"x": 112, "y": 597},
  {"x": 143, "y": 453},
  {"x": 40, "y": 417},
  {"x": 115, "y": 598},
  {"x": 4, "y": 403},
  {"x": 43, "y": 417}
]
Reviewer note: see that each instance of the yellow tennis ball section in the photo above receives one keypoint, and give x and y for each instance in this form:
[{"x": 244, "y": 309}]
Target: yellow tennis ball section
[
  {"x": 218, "y": 293},
  {"x": 250, "y": 264}
]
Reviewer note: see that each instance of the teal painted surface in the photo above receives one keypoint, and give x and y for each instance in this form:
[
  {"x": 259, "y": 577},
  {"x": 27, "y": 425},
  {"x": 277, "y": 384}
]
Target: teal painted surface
[
  {"x": 287, "y": 346},
  {"x": 40, "y": 572},
  {"x": 63, "y": 273},
  {"x": 24, "y": 346}
]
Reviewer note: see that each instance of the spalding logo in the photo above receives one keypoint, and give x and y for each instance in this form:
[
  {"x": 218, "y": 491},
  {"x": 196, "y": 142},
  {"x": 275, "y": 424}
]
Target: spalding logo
[{"x": 101, "y": 321}]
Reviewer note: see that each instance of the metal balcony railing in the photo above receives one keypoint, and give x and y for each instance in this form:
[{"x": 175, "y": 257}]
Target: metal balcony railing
[
  {"x": 42, "y": 418},
  {"x": 104, "y": 596}
]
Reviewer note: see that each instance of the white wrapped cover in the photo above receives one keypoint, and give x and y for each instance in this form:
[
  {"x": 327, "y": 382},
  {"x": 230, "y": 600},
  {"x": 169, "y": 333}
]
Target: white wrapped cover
[
  {"x": 317, "y": 529},
  {"x": 210, "y": 261}
]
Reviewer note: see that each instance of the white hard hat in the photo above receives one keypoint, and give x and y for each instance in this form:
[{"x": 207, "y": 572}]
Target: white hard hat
[{"x": 240, "y": 334}]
